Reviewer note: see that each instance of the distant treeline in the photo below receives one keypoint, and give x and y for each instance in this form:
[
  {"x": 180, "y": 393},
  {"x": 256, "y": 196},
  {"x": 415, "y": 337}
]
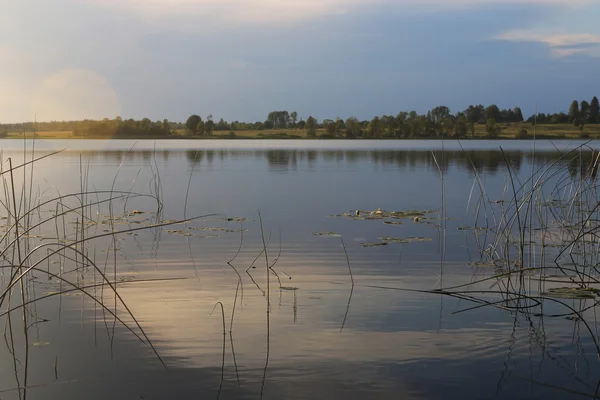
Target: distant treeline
[{"x": 438, "y": 122}]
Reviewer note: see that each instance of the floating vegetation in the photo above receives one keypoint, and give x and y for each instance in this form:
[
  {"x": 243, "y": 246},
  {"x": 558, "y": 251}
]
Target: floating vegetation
[
  {"x": 409, "y": 214},
  {"x": 40, "y": 344},
  {"x": 237, "y": 219},
  {"x": 291, "y": 288},
  {"x": 326, "y": 234},
  {"x": 374, "y": 244},
  {"x": 390, "y": 239},
  {"x": 209, "y": 236},
  {"x": 393, "y": 222},
  {"x": 181, "y": 232},
  {"x": 573, "y": 292}
]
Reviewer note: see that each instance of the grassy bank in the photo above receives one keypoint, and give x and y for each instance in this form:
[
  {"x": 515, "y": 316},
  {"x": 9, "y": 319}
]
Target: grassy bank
[{"x": 508, "y": 131}]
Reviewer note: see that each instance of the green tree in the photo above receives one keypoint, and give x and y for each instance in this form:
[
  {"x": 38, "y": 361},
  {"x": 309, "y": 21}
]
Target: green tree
[
  {"x": 339, "y": 126},
  {"x": 461, "y": 127},
  {"x": 201, "y": 128},
  {"x": 374, "y": 128},
  {"x": 294, "y": 116},
  {"x": 330, "y": 127},
  {"x": 353, "y": 127},
  {"x": 492, "y": 112},
  {"x": 518, "y": 114},
  {"x": 594, "y": 112},
  {"x": 209, "y": 125},
  {"x": 280, "y": 119},
  {"x": 491, "y": 128},
  {"x": 438, "y": 115},
  {"x": 584, "y": 112},
  {"x": 165, "y": 126},
  {"x": 192, "y": 124},
  {"x": 447, "y": 126},
  {"x": 418, "y": 124},
  {"x": 311, "y": 127},
  {"x": 574, "y": 113},
  {"x": 475, "y": 114}
]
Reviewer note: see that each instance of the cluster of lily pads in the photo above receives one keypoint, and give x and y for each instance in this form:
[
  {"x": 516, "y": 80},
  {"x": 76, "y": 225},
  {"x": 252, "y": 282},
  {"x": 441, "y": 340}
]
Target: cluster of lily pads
[{"x": 390, "y": 217}]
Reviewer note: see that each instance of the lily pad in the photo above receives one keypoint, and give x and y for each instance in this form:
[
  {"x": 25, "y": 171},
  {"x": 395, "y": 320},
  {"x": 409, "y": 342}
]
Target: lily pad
[
  {"x": 411, "y": 239},
  {"x": 572, "y": 293},
  {"x": 179, "y": 232},
  {"x": 374, "y": 244},
  {"x": 326, "y": 234}
]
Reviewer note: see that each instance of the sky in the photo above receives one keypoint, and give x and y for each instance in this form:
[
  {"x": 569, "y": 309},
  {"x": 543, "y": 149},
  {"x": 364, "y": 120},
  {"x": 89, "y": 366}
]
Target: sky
[{"x": 240, "y": 59}]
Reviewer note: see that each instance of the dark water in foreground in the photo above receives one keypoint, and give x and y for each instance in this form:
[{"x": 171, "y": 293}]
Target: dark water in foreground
[{"x": 322, "y": 337}]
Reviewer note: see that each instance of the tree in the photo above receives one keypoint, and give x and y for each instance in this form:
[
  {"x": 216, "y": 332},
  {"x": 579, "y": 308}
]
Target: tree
[
  {"x": 339, "y": 125},
  {"x": 594, "y": 112},
  {"x": 438, "y": 115},
  {"x": 192, "y": 124},
  {"x": 475, "y": 114},
  {"x": 518, "y": 114},
  {"x": 491, "y": 128},
  {"x": 294, "y": 116},
  {"x": 352, "y": 127},
  {"x": 311, "y": 127},
  {"x": 447, "y": 126},
  {"x": 574, "y": 113},
  {"x": 279, "y": 118},
  {"x": 374, "y": 128},
  {"x": 472, "y": 128},
  {"x": 584, "y": 111},
  {"x": 209, "y": 125},
  {"x": 492, "y": 112},
  {"x": 165, "y": 126},
  {"x": 461, "y": 127},
  {"x": 402, "y": 124},
  {"x": 201, "y": 129},
  {"x": 222, "y": 125},
  {"x": 389, "y": 125},
  {"x": 330, "y": 127}
]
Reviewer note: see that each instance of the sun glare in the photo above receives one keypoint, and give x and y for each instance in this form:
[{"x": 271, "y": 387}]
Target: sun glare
[{"x": 75, "y": 94}]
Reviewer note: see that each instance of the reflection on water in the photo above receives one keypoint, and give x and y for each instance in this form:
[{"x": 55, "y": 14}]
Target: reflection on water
[
  {"x": 490, "y": 161},
  {"x": 311, "y": 334}
]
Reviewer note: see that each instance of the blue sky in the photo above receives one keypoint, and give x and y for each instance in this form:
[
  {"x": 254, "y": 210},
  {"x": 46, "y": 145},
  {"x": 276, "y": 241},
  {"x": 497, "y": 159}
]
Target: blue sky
[{"x": 240, "y": 59}]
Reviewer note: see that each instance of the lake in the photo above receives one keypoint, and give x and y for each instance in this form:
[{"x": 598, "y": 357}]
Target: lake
[{"x": 299, "y": 269}]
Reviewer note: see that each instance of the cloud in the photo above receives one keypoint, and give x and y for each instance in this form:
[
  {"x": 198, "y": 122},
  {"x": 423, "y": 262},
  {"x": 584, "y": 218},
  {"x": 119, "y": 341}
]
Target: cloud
[
  {"x": 284, "y": 11},
  {"x": 561, "y": 44}
]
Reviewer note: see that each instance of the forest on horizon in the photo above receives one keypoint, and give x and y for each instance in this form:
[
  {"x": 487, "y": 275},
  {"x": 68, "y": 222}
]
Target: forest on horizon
[{"x": 437, "y": 122}]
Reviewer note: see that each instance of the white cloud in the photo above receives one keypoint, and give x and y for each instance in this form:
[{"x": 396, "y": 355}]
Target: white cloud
[
  {"x": 284, "y": 11},
  {"x": 560, "y": 44}
]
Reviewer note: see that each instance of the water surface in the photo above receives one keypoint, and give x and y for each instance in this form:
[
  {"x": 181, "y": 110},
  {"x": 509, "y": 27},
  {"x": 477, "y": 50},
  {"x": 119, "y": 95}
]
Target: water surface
[{"x": 312, "y": 334}]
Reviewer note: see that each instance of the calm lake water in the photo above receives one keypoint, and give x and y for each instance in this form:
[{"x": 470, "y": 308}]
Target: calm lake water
[{"x": 301, "y": 329}]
